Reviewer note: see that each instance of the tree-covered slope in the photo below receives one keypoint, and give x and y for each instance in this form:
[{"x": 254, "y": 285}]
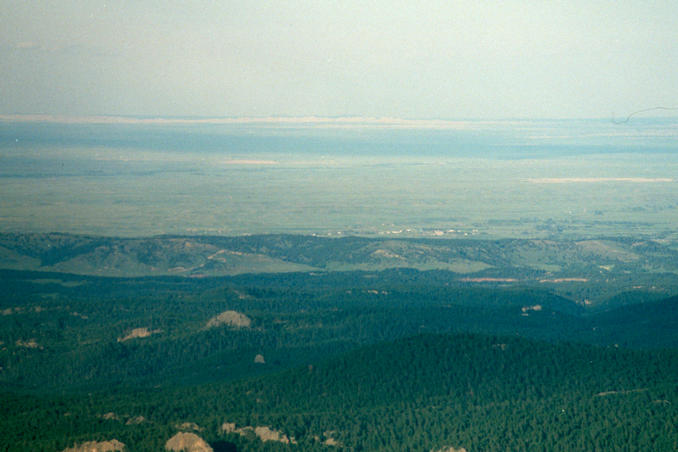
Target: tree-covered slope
[
  {"x": 66, "y": 331},
  {"x": 417, "y": 393}
]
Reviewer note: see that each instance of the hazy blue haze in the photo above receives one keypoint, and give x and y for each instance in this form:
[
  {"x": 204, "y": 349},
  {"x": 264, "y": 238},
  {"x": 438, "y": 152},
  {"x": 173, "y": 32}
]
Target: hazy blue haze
[{"x": 426, "y": 59}]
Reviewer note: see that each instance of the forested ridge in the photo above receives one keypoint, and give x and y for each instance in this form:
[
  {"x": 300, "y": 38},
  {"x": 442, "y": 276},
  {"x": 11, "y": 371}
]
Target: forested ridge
[
  {"x": 592, "y": 269},
  {"x": 61, "y": 331},
  {"x": 418, "y": 393},
  {"x": 365, "y": 357}
]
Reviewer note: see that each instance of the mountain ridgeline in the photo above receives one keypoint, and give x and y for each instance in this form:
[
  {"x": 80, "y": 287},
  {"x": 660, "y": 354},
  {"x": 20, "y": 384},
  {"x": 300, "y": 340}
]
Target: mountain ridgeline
[{"x": 589, "y": 271}]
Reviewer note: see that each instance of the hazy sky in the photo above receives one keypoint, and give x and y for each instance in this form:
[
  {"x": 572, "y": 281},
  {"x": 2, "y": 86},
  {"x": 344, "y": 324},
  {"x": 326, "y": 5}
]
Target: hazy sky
[{"x": 423, "y": 59}]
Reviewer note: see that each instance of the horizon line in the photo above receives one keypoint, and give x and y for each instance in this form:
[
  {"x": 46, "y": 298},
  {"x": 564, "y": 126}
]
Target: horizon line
[{"x": 311, "y": 120}]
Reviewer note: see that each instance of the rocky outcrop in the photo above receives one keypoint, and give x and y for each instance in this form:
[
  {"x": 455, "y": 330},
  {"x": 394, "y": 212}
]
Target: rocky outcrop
[
  {"x": 187, "y": 442},
  {"x": 186, "y": 426},
  {"x": 267, "y": 434},
  {"x": 228, "y": 427},
  {"x": 262, "y": 432},
  {"x": 94, "y": 446},
  {"x": 234, "y": 319},
  {"x": 30, "y": 343},
  {"x": 135, "y": 420},
  {"x": 137, "y": 333}
]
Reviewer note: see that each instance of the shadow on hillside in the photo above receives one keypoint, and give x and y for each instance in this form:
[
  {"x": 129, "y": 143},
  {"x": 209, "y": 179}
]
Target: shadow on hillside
[{"x": 223, "y": 446}]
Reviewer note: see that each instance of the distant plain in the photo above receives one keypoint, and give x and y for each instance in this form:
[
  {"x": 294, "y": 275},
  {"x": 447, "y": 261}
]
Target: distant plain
[{"x": 568, "y": 179}]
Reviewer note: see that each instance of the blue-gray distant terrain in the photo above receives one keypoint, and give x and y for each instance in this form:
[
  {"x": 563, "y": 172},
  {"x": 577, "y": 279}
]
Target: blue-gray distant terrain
[{"x": 568, "y": 178}]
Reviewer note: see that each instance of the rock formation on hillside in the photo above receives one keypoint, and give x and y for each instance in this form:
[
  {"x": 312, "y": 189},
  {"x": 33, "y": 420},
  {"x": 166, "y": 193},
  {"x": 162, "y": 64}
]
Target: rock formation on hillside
[
  {"x": 262, "y": 432},
  {"x": 449, "y": 449},
  {"x": 233, "y": 319},
  {"x": 94, "y": 446},
  {"x": 187, "y": 442},
  {"x": 137, "y": 333},
  {"x": 189, "y": 426}
]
